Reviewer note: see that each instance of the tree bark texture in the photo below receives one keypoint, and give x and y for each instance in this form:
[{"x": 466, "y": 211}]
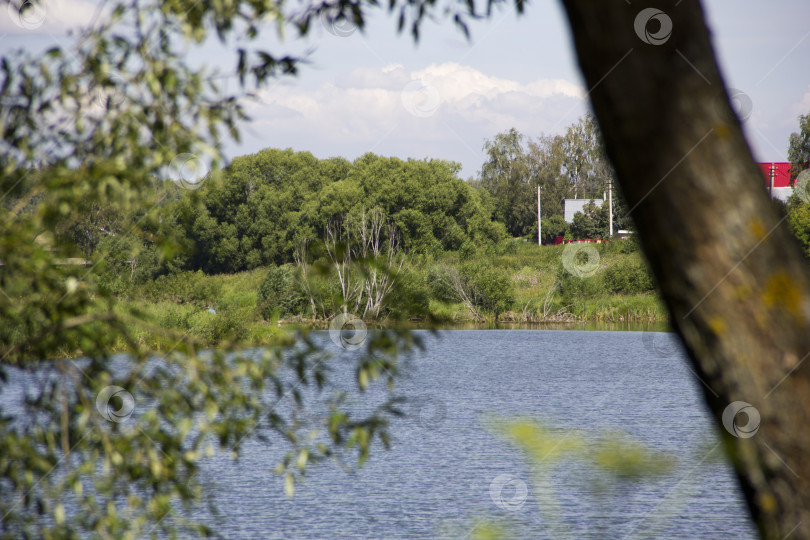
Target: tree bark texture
[{"x": 733, "y": 279}]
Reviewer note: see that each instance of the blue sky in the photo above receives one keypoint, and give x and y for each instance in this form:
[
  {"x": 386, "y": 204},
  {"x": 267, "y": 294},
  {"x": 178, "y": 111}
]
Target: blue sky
[{"x": 376, "y": 91}]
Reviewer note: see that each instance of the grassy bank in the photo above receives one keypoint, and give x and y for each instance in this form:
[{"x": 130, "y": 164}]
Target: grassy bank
[
  {"x": 544, "y": 291},
  {"x": 538, "y": 289}
]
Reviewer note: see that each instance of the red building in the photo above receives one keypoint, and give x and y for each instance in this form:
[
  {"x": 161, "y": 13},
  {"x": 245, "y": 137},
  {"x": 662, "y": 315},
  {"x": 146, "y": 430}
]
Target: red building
[{"x": 780, "y": 171}]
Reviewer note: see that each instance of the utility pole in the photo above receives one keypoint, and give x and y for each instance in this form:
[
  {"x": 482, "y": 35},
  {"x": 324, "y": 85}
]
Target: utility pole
[
  {"x": 773, "y": 173},
  {"x": 610, "y": 208},
  {"x": 539, "y": 226}
]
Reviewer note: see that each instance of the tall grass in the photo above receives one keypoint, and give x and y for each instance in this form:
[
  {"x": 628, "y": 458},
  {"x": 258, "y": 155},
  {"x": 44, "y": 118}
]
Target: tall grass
[{"x": 543, "y": 292}]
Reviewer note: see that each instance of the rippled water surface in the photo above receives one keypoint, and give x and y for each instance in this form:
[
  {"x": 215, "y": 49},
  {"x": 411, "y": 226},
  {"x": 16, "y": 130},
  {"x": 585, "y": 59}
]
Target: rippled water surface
[{"x": 446, "y": 469}]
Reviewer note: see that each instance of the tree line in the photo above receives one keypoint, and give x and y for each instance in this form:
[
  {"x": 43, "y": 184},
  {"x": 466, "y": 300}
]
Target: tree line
[{"x": 262, "y": 207}]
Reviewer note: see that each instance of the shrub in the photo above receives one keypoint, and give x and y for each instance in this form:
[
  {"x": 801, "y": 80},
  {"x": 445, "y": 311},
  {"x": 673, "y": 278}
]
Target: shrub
[
  {"x": 408, "y": 297},
  {"x": 125, "y": 262},
  {"x": 225, "y": 325},
  {"x": 175, "y": 317},
  {"x": 628, "y": 275},
  {"x": 629, "y": 245},
  {"x": 509, "y": 247},
  {"x": 493, "y": 289},
  {"x": 279, "y": 293},
  {"x": 183, "y": 288},
  {"x": 553, "y": 227},
  {"x": 624, "y": 246},
  {"x": 467, "y": 250},
  {"x": 489, "y": 288},
  {"x": 574, "y": 289},
  {"x": 439, "y": 285},
  {"x": 799, "y": 222}
]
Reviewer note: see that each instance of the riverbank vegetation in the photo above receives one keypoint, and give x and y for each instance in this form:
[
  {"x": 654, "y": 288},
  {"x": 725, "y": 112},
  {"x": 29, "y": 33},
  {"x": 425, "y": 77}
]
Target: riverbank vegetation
[
  {"x": 282, "y": 237},
  {"x": 513, "y": 282}
]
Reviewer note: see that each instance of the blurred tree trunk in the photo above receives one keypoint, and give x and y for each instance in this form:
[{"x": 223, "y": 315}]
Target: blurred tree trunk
[{"x": 734, "y": 280}]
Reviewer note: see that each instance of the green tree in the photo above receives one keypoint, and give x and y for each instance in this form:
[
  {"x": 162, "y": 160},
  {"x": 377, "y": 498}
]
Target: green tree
[
  {"x": 799, "y": 147},
  {"x": 505, "y": 175},
  {"x": 546, "y": 159},
  {"x": 798, "y": 216},
  {"x": 573, "y": 165},
  {"x": 126, "y": 260},
  {"x": 553, "y": 227},
  {"x": 493, "y": 289},
  {"x": 280, "y": 294},
  {"x": 584, "y": 162},
  {"x": 629, "y": 275},
  {"x": 591, "y": 222},
  {"x": 263, "y": 206}
]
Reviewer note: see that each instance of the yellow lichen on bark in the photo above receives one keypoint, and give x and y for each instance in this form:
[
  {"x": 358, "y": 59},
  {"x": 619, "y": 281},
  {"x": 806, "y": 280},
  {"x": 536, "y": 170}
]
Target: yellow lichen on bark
[
  {"x": 718, "y": 326},
  {"x": 757, "y": 228},
  {"x": 781, "y": 292}
]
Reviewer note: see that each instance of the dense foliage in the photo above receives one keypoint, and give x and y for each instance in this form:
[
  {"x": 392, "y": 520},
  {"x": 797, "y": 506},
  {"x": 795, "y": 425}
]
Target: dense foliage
[
  {"x": 620, "y": 270},
  {"x": 799, "y": 147},
  {"x": 798, "y": 206},
  {"x": 263, "y": 206},
  {"x": 279, "y": 294},
  {"x": 798, "y": 217}
]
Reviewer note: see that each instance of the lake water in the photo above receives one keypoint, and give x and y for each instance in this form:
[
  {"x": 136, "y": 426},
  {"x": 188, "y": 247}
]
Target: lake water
[{"x": 446, "y": 469}]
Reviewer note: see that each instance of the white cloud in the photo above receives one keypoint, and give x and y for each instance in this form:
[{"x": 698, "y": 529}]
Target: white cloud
[
  {"x": 46, "y": 16},
  {"x": 444, "y": 110},
  {"x": 374, "y": 97},
  {"x": 803, "y": 105}
]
